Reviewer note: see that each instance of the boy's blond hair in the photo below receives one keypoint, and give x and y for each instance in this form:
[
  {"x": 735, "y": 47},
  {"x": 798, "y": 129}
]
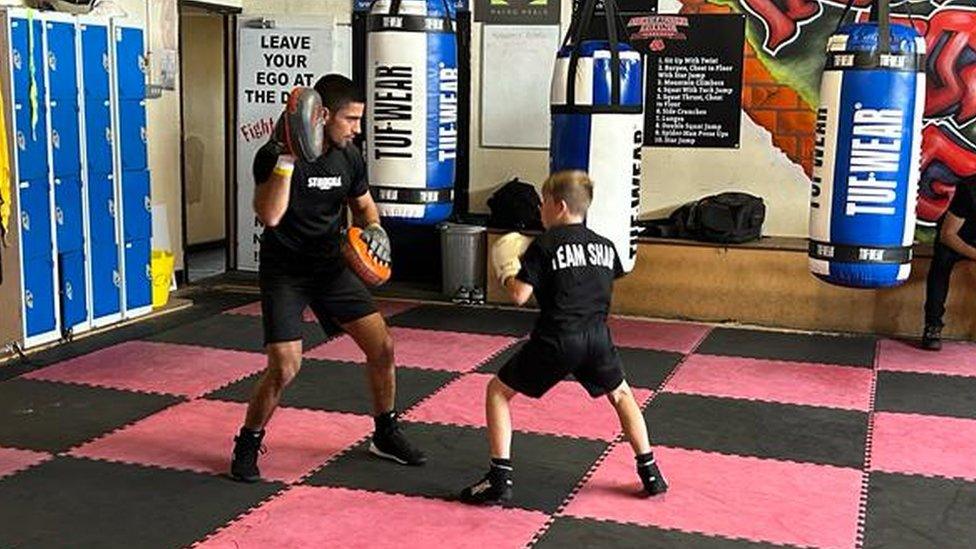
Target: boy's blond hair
[{"x": 574, "y": 187}]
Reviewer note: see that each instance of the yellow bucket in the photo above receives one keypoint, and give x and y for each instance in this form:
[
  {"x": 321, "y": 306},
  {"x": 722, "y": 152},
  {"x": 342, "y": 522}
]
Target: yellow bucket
[{"x": 162, "y": 276}]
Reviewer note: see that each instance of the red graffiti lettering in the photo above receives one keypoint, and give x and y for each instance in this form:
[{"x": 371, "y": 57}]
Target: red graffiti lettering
[
  {"x": 951, "y": 85},
  {"x": 783, "y": 18},
  {"x": 946, "y": 159}
]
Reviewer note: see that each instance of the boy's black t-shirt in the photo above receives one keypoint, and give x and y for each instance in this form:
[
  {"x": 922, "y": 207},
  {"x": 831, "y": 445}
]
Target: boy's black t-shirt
[
  {"x": 308, "y": 233},
  {"x": 571, "y": 270},
  {"x": 964, "y": 205}
]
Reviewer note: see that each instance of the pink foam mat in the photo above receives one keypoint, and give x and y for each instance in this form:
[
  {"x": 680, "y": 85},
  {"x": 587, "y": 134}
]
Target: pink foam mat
[
  {"x": 198, "y": 436},
  {"x": 430, "y": 349},
  {"x": 924, "y": 445},
  {"x": 338, "y": 517},
  {"x": 680, "y": 337},
  {"x": 13, "y": 460},
  {"x": 955, "y": 358},
  {"x": 156, "y": 367},
  {"x": 731, "y": 496},
  {"x": 774, "y": 381},
  {"x": 567, "y": 409}
]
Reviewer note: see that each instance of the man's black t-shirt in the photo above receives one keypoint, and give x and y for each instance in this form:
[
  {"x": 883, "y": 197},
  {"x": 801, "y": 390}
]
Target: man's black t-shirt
[
  {"x": 964, "y": 205},
  {"x": 308, "y": 233},
  {"x": 571, "y": 270}
]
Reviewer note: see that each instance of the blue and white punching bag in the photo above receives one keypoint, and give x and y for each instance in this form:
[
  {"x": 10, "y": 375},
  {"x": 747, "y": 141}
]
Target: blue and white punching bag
[
  {"x": 866, "y": 164},
  {"x": 412, "y": 101},
  {"x": 597, "y": 108}
]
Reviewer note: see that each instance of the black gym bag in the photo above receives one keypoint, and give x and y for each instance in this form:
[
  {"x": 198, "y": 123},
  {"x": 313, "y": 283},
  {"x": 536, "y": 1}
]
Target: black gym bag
[
  {"x": 727, "y": 218},
  {"x": 515, "y": 206}
]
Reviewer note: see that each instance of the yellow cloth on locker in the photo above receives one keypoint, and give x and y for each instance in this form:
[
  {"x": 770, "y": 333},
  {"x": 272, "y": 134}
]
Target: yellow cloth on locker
[{"x": 6, "y": 182}]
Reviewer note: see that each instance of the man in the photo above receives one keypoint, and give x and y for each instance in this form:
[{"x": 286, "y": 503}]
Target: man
[
  {"x": 302, "y": 203},
  {"x": 954, "y": 242}
]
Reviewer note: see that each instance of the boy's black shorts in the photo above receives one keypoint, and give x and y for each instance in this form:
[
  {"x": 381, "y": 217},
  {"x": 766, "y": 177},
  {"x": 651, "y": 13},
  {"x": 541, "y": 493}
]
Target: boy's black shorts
[{"x": 544, "y": 361}]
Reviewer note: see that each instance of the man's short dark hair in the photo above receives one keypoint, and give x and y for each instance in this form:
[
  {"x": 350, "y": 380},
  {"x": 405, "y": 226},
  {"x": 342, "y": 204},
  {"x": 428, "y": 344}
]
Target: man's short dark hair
[{"x": 337, "y": 91}]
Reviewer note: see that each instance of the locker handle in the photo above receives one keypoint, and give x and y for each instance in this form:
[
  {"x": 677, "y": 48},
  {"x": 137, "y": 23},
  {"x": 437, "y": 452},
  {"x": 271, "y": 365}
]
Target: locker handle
[
  {"x": 29, "y": 299},
  {"x": 105, "y": 61},
  {"x": 142, "y": 133},
  {"x": 25, "y": 221},
  {"x": 148, "y": 272},
  {"x": 52, "y": 61},
  {"x": 148, "y": 204},
  {"x": 111, "y": 207},
  {"x": 21, "y": 141},
  {"x": 116, "y": 279},
  {"x": 55, "y": 139},
  {"x": 67, "y": 291},
  {"x": 59, "y": 215},
  {"x": 108, "y": 134},
  {"x": 15, "y": 57}
]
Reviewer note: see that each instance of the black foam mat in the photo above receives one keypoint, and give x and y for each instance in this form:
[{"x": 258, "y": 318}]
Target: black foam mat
[
  {"x": 938, "y": 395},
  {"x": 910, "y": 512},
  {"x": 816, "y": 348},
  {"x": 588, "y": 533},
  {"x": 236, "y": 332},
  {"x": 480, "y": 320}
]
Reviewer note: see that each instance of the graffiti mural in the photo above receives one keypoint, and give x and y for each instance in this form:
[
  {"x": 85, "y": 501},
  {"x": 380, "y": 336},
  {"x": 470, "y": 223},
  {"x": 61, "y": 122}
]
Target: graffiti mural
[{"x": 786, "y": 39}]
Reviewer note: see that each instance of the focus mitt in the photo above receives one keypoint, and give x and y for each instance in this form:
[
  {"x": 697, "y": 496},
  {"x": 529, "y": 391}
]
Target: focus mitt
[
  {"x": 299, "y": 130},
  {"x": 367, "y": 252}
]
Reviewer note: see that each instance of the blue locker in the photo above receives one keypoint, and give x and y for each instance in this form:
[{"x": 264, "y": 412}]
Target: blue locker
[
  {"x": 94, "y": 53},
  {"x": 132, "y": 133},
  {"x": 74, "y": 302},
  {"x": 98, "y": 135},
  {"x": 20, "y": 57},
  {"x": 31, "y": 140},
  {"x": 137, "y": 212},
  {"x": 68, "y": 214},
  {"x": 62, "y": 64},
  {"x": 106, "y": 297},
  {"x": 39, "y": 306},
  {"x": 129, "y": 63},
  {"x": 101, "y": 210},
  {"x": 138, "y": 276},
  {"x": 65, "y": 143},
  {"x": 35, "y": 219}
]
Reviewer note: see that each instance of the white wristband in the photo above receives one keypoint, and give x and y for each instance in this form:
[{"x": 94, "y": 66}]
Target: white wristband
[{"x": 285, "y": 166}]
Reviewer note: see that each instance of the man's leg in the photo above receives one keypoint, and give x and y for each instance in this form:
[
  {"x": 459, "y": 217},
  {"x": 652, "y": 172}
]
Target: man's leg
[
  {"x": 936, "y": 292},
  {"x": 372, "y": 336},
  {"x": 282, "y": 303},
  {"x": 284, "y": 361}
]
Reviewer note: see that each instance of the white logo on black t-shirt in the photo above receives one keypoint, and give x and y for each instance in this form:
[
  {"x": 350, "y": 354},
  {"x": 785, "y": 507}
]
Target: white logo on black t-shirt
[
  {"x": 325, "y": 183},
  {"x": 580, "y": 255}
]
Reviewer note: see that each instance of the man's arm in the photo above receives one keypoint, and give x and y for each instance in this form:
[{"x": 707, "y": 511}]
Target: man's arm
[
  {"x": 271, "y": 194},
  {"x": 364, "y": 210},
  {"x": 949, "y": 236}
]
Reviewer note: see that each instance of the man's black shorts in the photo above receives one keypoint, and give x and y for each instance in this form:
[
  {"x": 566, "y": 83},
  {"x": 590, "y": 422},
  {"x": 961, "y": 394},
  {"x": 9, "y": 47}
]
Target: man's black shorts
[
  {"x": 546, "y": 360},
  {"x": 336, "y": 296}
]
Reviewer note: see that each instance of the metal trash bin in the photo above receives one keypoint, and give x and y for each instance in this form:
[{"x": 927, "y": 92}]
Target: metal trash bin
[{"x": 463, "y": 256}]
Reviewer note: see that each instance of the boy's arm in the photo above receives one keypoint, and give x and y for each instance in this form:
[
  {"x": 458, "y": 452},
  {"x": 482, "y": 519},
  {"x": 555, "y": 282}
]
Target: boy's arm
[{"x": 519, "y": 292}]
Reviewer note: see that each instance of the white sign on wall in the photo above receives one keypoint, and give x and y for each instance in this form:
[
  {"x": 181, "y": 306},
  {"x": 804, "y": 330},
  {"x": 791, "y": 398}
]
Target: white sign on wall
[{"x": 271, "y": 62}]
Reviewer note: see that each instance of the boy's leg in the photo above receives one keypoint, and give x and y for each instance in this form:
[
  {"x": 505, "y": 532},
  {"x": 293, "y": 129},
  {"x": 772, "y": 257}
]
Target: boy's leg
[
  {"x": 499, "y": 417},
  {"x": 635, "y": 429},
  {"x": 530, "y": 372},
  {"x": 496, "y": 485}
]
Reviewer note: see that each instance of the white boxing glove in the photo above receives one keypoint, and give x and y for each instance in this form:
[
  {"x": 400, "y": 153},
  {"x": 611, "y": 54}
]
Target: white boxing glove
[{"x": 505, "y": 255}]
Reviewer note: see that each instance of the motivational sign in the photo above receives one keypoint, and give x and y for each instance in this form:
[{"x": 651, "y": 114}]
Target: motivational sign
[{"x": 271, "y": 62}]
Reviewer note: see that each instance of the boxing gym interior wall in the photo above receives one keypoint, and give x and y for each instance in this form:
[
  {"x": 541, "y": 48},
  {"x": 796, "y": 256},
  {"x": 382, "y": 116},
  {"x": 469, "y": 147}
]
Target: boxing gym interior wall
[{"x": 204, "y": 130}]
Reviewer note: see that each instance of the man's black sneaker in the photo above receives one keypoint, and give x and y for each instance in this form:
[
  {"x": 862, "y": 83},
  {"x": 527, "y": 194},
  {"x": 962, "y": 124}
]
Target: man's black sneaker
[
  {"x": 389, "y": 442},
  {"x": 493, "y": 489},
  {"x": 244, "y": 462},
  {"x": 932, "y": 338}
]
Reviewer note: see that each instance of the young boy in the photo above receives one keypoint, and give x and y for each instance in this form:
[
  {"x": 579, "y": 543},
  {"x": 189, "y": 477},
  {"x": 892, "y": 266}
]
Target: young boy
[{"x": 571, "y": 271}]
